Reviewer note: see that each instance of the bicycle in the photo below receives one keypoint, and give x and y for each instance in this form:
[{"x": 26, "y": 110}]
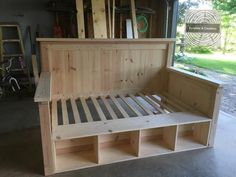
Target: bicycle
[{"x": 7, "y": 78}]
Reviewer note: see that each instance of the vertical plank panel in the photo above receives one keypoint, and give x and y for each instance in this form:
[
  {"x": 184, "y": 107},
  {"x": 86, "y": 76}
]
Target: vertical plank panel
[
  {"x": 96, "y": 60},
  {"x": 116, "y": 69},
  {"x": 86, "y": 71},
  {"x": 106, "y": 66},
  {"x": 79, "y": 68}
]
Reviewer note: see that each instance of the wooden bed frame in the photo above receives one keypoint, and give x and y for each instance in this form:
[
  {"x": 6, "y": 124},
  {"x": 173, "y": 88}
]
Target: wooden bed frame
[{"x": 106, "y": 101}]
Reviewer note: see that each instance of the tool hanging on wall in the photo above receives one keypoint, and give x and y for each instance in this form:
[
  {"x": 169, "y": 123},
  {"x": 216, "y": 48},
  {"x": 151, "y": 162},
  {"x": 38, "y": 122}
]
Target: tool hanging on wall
[{"x": 57, "y": 30}]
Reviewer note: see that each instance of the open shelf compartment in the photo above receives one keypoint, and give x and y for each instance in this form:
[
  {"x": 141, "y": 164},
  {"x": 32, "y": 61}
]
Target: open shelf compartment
[
  {"x": 158, "y": 140},
  {"x": 117, "y": 147},
  {"x": 76, "y": 153},
  {"x": 192, "y": 136}
]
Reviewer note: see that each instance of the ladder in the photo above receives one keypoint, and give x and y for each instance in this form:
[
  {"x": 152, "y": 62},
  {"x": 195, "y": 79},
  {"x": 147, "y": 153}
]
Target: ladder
[{"x": 11, "y": 46}]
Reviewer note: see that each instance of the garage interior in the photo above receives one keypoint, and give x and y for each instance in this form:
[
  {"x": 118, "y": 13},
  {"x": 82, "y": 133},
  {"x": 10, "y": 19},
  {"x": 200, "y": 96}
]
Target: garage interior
[{"x": 21, "y": 149}]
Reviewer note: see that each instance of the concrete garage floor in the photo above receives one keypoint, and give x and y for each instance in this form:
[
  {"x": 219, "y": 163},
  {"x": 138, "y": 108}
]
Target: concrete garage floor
[{"x": 21, "y": 155}]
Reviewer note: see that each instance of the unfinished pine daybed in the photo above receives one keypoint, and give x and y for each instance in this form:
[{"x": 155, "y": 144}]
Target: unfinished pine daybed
[{"x": 105, "y": 101}]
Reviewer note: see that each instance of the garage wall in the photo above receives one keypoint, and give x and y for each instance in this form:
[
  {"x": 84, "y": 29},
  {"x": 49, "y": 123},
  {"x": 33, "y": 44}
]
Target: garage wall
[{"x": 27, "y": 12}]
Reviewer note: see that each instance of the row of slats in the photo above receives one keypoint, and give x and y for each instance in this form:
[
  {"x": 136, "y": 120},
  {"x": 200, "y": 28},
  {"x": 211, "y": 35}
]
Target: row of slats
[{"x": 150, "y": 100}]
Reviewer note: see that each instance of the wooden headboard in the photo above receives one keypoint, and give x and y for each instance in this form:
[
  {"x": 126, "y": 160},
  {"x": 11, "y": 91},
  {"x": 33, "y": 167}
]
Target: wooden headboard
[{"x": 93, "y": 66}]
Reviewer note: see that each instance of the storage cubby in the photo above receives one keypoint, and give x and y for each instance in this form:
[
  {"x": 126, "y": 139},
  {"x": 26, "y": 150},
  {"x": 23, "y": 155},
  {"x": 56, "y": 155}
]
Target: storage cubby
[
  {"x": 116, "y": 147},
  {"x": 192, "y": 136},
  {"x": 76, "y": 153},
  {"x": 158, "y": 140}
]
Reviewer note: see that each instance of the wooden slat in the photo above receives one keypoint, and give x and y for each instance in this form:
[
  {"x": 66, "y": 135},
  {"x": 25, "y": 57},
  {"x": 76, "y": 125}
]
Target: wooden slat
[
  {"x": 140, "y": 104},
  {"x": 160, "y": 103},
  {"x": 119, "y": 107},
  {"x": 130, "y": 106},
  {"x": 75, "y": 111},
  {"x": 64, "y": 112},
  {"x": 99, "y": 18},
  {"x": 151, "y": 103},
  {"x": 109, "y": 108},
  {"x": 98, "y": 108},
  {"x": 54, "y": 114},
  {"x": 134, "y": 20},
  {"x": 86, "y": 110},
  {"x": 80, "y": 18}
]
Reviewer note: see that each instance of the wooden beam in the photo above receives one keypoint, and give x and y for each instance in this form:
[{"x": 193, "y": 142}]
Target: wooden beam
[
  {"x": 80, "y": 18},
  {"x": 134, "y": 20},
  {"x": 109, "y": 108},
  {"x": 130, "y": 106},
  {"x": 152, "y": 103},
  {"x": 98, "y": 108},
  {"x": 64, "y": 112},
  {"x": 99, "y": 18},
  {"x": 140, "y": 104},
  {"x": 75, "y": 111},
  {"x": 86, "y": 110}
]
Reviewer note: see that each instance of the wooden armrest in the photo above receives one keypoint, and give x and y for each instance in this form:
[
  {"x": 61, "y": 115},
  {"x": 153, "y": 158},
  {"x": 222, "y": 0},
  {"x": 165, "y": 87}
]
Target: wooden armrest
[
  {"x": 197, "y": 77},
  {"x": 199, "y": 92},
  {"x": 43, "y": 91}
]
